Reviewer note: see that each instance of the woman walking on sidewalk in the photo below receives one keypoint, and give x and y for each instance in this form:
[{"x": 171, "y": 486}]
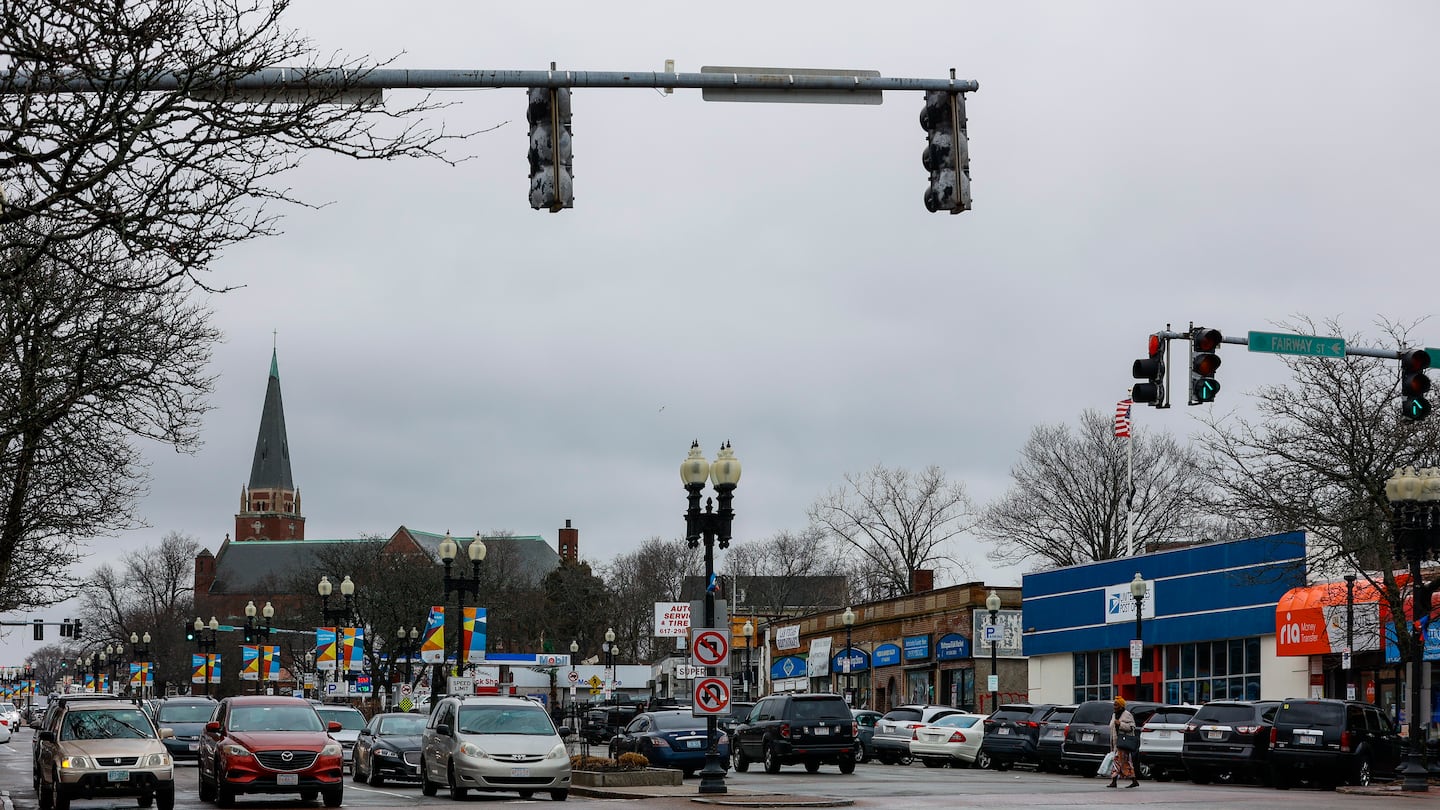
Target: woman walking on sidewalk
[{"x": 1122, "y": 723}]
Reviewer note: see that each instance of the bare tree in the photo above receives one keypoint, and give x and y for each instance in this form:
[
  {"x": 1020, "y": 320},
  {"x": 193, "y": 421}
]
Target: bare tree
[
  {"x": 1317, "y": 457},
  {"x": 121, "y": 121},
  {"x": 152, "y": 592},
  {"x": 84, "y": 371},
  {"x": 1067, "y": 500},
  {"x": 578, "y": 607},
  {"x": 654, "y": 572},
  {"x": 895, "y": 522},
  {"x": 781, "y": 571}
]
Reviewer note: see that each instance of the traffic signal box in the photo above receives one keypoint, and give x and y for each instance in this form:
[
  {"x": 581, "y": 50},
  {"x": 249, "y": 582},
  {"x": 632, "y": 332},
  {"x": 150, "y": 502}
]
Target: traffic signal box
[
  {"x": 1204, "y": 362},
  {"x": 947, "y": 152},
  {"x": 1414, "y": 384},
  {"x": 1153, "y": 391},
  {"x": 551, "y": 176}
]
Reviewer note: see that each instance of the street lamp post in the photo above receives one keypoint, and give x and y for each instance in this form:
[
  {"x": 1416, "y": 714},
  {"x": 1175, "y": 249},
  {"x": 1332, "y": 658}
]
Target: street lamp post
[
  {"x": 710, "y": 527},
  {"x": 749, "y": 632},
  {"x": 848, "y": 619},
  {"x": 309, "y": 667},
  {"x": 406, "y": 646},
  {"x": 111, "y": 659},
  {"x": 254, "y": 631},
  {"x": 1414, "y": 497},
  {"x": 341, "y": 617},
  {"x": 1138, "y": 588},
  {"x": 206, "y": 637},
  {"x": 1349, "y": 659},
  {"x": 609, "y": 657},
  {"x": 140, "y": 654},
  {"x": 992, "y": 604},
  {"x": 460, "y": 586}
]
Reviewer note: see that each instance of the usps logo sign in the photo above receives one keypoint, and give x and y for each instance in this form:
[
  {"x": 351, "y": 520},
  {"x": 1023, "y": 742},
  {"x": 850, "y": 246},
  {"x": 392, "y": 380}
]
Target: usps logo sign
[{"x": 1120, "y": 604}]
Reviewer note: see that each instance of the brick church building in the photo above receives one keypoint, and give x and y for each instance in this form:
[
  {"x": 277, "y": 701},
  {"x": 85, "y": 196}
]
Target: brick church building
[{"x": 269, "y": 538}]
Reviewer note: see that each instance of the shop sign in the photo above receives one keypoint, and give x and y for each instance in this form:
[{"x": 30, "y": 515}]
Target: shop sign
[
  {"x": 791, "y": 666},
  {"x": 952, "y": 646},
  {"x": 917, "y": 648},
  {"x": 859, "y": 661},
  {"x": 886, "y": 655}
]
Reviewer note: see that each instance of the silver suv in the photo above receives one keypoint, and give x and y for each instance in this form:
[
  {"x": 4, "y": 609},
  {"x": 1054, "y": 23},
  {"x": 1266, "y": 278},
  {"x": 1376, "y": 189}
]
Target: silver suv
[{"x": 493, "y": 744}]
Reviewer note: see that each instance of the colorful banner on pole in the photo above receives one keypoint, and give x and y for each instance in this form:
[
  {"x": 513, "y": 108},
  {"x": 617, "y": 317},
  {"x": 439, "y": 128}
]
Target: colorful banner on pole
[
  {"x": 141, "y": 676},
  {"x": 249, "y": 662},
  {"x": 203, "y": 665},
  {"x": 472, "y": 634},
  {"x": 352, "y": 645},
  {"x": 325, "y": 649},
  {"x": 270, "y": 662},
  {"x": 432, "y": 646}
]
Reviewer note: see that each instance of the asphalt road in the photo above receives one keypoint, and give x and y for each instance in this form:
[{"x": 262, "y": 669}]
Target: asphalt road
[{"x": 871, "y": 786}]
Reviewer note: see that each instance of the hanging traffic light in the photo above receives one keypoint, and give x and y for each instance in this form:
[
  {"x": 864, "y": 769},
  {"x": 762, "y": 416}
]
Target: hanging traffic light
[
  {"x": 75, "y": 629},
  {"x": 189, "y": 632},
  {"x": 551, "y": 180},
  {"x": 1152, "y": 369},
  {"x": 947, "y": 152},
  {"x": 39, "y": 630},
  {"x": 1414, "y": 384},
  {"x": 1204, "y": 362}
]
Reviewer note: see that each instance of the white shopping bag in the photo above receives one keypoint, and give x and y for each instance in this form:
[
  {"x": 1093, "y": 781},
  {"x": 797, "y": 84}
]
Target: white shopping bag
[{"x": 1106, "y": 765}]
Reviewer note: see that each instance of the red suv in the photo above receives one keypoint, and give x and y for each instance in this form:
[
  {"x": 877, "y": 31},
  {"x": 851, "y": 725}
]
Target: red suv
[{"x": 262, "y": 744}]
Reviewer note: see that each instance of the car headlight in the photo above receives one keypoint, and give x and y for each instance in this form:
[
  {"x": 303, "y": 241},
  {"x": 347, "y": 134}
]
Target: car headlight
[
  {"x": 156, "y": 761},
  {"x": 558, "y": 752},
  {"x": 74, "y": 763},
  {"x": 470, "y": 749},
  {"x": 331, "y": 749},
  {"x": 233, "y": 750},
  {"x": 386, "y": 753}
]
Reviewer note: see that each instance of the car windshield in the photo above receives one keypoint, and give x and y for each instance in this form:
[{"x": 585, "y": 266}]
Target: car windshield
[
  {"x": 186, "y": 713},
  {"x": 678, "y": 722},
  {"x": 349, "y": 719},
  {"x": 504, "y": 720},
  {"x": 275, "y": 718},
  {"x": 106, "y": 724},
  {"x": 402, "y": 725},
  {"x": 958, "y": 720}
]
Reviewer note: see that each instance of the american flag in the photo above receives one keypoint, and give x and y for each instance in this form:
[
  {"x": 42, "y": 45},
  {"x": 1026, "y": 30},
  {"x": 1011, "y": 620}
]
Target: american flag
[{"x": 1122, "y": 418}]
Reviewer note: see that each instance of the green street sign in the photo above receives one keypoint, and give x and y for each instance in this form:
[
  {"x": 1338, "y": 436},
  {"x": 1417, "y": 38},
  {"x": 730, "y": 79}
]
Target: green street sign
[{"x": 1277, "y": 343}]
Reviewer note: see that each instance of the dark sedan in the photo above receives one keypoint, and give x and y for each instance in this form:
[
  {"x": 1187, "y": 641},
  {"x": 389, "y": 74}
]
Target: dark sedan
[
  {"x": 388, "y": 748},
  {"x": 669, "y": 739}
]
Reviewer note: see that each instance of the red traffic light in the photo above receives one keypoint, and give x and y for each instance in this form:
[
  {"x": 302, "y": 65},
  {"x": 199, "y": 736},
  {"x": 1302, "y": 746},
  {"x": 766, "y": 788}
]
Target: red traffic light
[
  {"x": 1206, "y": 364},
  {"x": 1415, "y": 360},
  {"x": 1207, "y": 340}
]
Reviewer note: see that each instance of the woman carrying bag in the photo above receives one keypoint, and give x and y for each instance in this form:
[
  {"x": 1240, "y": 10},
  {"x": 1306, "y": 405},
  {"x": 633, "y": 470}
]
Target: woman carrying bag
[{"x": 1124, "y": 742}]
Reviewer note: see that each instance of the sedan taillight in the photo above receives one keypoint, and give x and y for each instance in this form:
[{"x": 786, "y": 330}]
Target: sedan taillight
[
  {"x": 957, "y": 737},
  {"x": 1191, "y": 728},
  {"x": 1246, "y": 730}
]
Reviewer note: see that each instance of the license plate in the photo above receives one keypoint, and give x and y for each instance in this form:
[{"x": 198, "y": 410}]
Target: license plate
[
  {"x": 287, "y": 778},
  {"x": 519, "y": 771},
  {"x": 1307, "y": 739},
  {"x": 1087, "y": 738},
  {"x": 195, "y": 746},
  {"x": 118, "y": 776},
  {"x": 694, "y": 743},
  {"x": 822, "y": 731},
  {"x": 1004, "y": 731},
  {"x": 1054, "y": 734},
  {"x": 1162, "y": 734},
  {"x": 1214, "y": 735}
]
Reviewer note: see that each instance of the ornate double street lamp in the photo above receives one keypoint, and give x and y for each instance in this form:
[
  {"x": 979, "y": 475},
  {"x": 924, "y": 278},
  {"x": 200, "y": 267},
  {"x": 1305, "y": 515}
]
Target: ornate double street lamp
[
  {"x": 139, "y": 654},
  {"x": 206, "y": 637},
  {"x": 992, "y": 604},
  {"x": 407, "y": 646},
  {"x": 711, "y": 527},
  {"x": 256, "y": 632},
  {"x": 111, "y": 659},
  {"x": 343, "y": 616},
  {"x": 1415, "y": 527},
  {"x": 460, "y": 586}
]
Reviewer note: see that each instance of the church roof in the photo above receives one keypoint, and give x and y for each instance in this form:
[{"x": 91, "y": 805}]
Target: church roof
[
  {"x": 529, "y": 553},
  {"x": 261, "y": 565},
  {"x": 271, "y": 467}
]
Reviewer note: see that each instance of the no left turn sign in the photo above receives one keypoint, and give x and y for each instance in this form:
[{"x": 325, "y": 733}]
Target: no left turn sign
[
  {"x": 711, "y": 648},
  {"x": 711, "y": 696},
  {"x": 574, "y": 676}
]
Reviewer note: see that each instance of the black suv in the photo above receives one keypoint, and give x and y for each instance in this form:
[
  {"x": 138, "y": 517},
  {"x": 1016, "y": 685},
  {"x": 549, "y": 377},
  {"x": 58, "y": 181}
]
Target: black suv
[
  {"x": 789, "y": 729},
  {"x": 1052, "y": 736},
  {"x": 1012, "y": 733},
  {"x": 1087, "y": 738},
  {"x": 1332, "y": 741},
  {"x": 1229, "y": 736}
]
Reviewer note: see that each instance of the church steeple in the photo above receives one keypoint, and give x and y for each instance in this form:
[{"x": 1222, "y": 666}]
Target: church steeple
[{"x": 270, "y": 505}]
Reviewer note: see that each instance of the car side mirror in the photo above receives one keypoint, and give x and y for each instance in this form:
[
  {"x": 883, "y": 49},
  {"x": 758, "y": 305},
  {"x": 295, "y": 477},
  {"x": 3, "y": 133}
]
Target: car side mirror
[
  {"x": 443, "y": 729},
  {"x": 166, "y": 733},
  {"x": 212, "y": 727},
  {"x": 332, "y": 726},
  {"x": 566, "y": 731},
  {"x": 47, "y": 736}
]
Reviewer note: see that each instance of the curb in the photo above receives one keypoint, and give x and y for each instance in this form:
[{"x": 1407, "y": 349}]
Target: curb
[{"x": 724, "y": 800}]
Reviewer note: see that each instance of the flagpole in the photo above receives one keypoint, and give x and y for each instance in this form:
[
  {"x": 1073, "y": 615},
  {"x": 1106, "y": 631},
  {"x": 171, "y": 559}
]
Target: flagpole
[{"x": 1130, "y": 495}]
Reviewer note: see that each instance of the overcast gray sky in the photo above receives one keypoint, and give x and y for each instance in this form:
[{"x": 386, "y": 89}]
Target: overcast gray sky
[{"x": 768, "y": 274}]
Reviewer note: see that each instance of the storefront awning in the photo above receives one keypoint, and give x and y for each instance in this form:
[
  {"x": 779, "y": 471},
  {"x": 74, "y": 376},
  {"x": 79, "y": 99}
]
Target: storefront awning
[{"x": 1312, "y": 620}]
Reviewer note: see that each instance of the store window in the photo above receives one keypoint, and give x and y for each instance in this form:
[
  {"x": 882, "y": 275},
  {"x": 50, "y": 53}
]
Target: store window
[
  {"x": 1094, "y": 676},
  {"x": 1212, "y": 670}
]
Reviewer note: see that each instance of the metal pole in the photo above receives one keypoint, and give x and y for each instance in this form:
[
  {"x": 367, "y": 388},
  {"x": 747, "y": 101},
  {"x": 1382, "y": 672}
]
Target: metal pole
[
  {"x": 1416, "y": 775},
  {"x": 1350, "y": 689},
  {"x": 712, "y": 776},
  {"x": 994, "y": 671}
]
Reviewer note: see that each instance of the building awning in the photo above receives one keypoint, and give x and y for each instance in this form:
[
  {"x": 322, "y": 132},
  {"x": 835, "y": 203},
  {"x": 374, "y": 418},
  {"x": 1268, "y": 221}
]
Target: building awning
[{"x": 1312, "y": 620}]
